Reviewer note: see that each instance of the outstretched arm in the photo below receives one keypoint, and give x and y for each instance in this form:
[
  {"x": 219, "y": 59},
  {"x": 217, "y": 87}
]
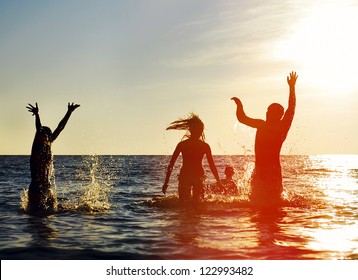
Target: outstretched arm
[
  {"x": 241, "y": 116},
  {"x": 175, "y": 155},
  {"x": 290, "y": 112},
  {"x": 212, "y": 166},
  {"x": 63, "y": 122},
  {"x": 35, "y": 111}
]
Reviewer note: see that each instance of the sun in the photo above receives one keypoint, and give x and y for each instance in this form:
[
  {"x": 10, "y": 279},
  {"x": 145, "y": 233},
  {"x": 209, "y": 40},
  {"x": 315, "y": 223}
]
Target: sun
[{"x": 323, "y": 45}]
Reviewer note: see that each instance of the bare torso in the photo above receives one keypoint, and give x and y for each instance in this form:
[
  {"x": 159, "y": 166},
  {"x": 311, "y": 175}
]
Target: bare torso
[{"x": 193, "y": 151}]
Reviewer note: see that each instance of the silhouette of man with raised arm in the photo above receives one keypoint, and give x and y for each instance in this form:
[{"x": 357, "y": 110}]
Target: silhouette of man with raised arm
[
  {"x": 40, "y": 195},
  {"x": 266, "y": 180}
]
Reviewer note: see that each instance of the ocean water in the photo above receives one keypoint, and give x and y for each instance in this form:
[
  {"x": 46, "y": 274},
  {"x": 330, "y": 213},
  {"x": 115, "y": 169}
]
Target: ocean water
[{"x": 115, "y": 210}]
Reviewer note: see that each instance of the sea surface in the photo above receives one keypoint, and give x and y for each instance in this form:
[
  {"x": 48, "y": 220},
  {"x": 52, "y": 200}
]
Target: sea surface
[{"x": 114, "y": 209}]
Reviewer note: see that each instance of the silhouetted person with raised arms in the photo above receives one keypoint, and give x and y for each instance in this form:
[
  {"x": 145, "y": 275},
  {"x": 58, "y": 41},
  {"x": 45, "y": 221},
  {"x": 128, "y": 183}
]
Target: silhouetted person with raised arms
[
  {"x": 40, "y": 195},
  {"x": 266, "y": 180},
  {"x": 192, "y": 148}
]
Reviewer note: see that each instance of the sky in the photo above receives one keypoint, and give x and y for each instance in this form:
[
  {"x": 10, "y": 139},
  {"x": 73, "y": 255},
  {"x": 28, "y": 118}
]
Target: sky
[{"x": 135, "y": 66}]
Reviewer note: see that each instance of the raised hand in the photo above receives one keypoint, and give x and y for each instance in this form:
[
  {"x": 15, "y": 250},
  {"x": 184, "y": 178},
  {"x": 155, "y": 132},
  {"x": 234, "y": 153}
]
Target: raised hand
[
  {"x": 72, "y": 107},
  {"x": 291, "y": 80},
  {"x": 237, "y": 101},
  {"x": 32, "y": 109}
]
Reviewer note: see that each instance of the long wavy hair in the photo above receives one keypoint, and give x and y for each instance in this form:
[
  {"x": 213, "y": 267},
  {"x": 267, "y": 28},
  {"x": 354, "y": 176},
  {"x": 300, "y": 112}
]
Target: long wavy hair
[{"x": 192, "y": 124}]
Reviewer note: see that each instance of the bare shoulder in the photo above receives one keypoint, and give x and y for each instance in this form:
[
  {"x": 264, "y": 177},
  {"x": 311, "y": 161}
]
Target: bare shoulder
[
  {"x": 206, "y": 146},
  {"x": 180, "y": 145},
  {"x": 183, "y": 143}
]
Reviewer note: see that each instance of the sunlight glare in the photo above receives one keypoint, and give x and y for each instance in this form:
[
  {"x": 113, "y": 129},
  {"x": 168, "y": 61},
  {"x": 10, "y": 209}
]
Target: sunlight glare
[
  {"x": 337, "y": 179},
  {"x": 326, "y": 239},
  {"x": 323, "y": 45}
]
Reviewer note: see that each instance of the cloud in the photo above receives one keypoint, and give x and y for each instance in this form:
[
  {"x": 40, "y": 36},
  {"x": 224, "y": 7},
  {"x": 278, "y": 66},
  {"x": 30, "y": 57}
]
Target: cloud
[{"x": 234, "y": 33}]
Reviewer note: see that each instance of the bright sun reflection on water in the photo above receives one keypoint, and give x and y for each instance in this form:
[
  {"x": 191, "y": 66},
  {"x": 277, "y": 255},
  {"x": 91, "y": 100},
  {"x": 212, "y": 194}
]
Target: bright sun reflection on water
[
  {"x": 338, "y": 177},
  {"x": 336, "y": 231},
  {"x": 339, "y": 240}
]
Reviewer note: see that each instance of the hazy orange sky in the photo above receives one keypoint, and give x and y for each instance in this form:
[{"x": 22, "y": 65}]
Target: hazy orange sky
[{"x": 135, "y": 66}]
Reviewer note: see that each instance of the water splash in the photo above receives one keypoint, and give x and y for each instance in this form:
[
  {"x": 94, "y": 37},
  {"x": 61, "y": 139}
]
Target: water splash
[
  {"x": 92, "y": 194},
  {"x": 89, "y": 193},
  {"x": 24, "y": 200},
  {"x": 95, "y": 195}
]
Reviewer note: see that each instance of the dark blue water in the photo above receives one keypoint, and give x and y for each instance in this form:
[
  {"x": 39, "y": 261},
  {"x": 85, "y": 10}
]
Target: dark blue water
[{"x": 115, "y": 210}]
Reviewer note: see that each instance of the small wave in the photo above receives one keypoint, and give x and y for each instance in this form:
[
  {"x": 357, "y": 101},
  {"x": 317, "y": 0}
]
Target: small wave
[
  {"x": 290, "y": 199},
  {"x": 83, "y": 205},
  {"x": 171, "y": 201},
  {"x": 210, "y": 202},
  {"x": 318, "y": 170},
  {"x": 232, "y": 202}
]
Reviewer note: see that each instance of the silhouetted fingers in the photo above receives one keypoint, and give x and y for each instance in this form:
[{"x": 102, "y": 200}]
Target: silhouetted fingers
[
  {"x": 73, "y": 106},
  {"x": 291, "y": 79},
  {"x": 32, "y": 109},
  {"x": 293, "y": 75}
]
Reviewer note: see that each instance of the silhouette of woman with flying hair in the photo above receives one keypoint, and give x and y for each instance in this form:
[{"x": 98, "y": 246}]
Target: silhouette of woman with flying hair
[
  {"x": 40, "y": 195},
  {"x": 192, "y": 148}
]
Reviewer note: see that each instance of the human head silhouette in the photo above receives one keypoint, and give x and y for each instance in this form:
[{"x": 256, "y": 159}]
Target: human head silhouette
[
  {"x": 192, "y": 123},
  {"x": 44, "y": 133},
  {"x": 274, "y": 112},
  {"x": 229, "y": 171},
  {"x": 195, "y": 126}
]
